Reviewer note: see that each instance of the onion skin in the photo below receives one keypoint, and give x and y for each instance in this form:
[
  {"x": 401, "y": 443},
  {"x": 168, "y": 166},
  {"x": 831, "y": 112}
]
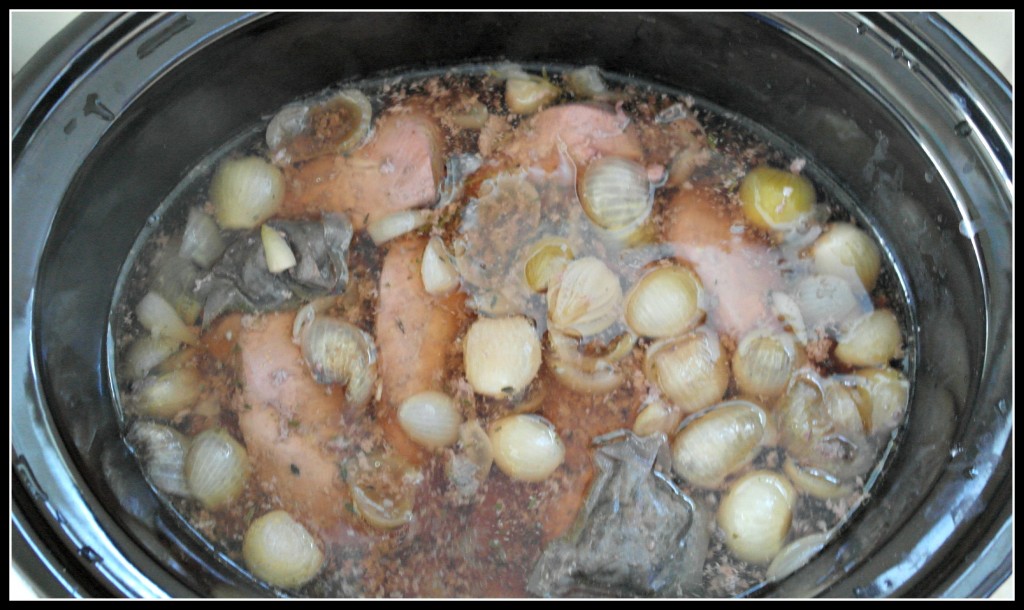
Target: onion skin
[
  {"x": 586, "y": 299},
  {"x": 280, "y": 551}
]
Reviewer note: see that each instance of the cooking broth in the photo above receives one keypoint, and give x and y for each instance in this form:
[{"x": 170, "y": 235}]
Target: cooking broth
[{"x": 607, "y": 260}]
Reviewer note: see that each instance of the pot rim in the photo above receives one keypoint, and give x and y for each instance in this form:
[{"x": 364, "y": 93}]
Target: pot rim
[{"x": 39, "y": 529}]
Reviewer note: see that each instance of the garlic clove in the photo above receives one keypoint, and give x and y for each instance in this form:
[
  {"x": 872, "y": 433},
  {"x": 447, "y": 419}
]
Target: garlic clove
[
  {"x": 528, "y": 94},
  {"x": 440, "y": 277},
  {"x": 164, "y": 396},
  {"x": 278, "y": 253},
  {"x": 160, "y": 318},
  {"x": 430, "y": 419},
  {"x": 384, "y": 229}
]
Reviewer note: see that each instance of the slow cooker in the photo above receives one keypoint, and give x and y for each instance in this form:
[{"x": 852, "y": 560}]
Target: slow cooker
[{"x": 903, "y": 112}]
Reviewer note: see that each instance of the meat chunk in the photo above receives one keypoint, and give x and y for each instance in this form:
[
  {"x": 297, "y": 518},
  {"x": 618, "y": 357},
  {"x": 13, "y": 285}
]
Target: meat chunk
[
  {"x": 586, "y": 132},
  {"x": 399, "y": 168},
  {"x": 737, "y": 270},
  {"x": 415, "y": 333},
  {"x": 287, "y": 421}
]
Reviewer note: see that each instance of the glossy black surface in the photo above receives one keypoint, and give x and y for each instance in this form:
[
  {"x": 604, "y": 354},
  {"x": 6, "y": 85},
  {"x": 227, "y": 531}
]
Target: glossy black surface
[{"x": 900, "y": 110}]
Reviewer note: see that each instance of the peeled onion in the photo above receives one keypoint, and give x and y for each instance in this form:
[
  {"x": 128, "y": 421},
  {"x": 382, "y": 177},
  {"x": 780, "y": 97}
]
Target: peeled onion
[
  {"x": 775, "y": 199},
  {"x": 616, "y": 193},
  {"x": 430, "y": 419},
  {"x": 245, "y": 192},
  {"x": 585, "y": 82},
  {"x": 692, "y": 370},
  {"x": 756, "y": 514},
  {"x": 665, "y": 302},
  {"x": 384, "y": 494},
  {"x": 280, "y": 551},
  {"x": 216, "y": 468},
  {"x": 547, "y": 259},
  {"x": 815, "y": 482},
  {"x": 826, "y": 300},
  {"x": 658, "y": 416},
  {"x": 334, "y": 125},
  {"x": 848, "y": 252},
  {"x": 820, "y": 425},
  {"x": 526, "y": 447},
  {"x": 871, "y": 340},
  {"x": 887, "y": 394},
  {"x": 501, "y": 355},
  {"x": 721, "y": 442},
  {"x": 764, "y": 361}
]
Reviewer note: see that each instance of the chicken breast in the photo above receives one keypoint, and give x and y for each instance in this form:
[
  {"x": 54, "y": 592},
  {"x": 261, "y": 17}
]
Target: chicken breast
[{"x": 399, "y": 168}]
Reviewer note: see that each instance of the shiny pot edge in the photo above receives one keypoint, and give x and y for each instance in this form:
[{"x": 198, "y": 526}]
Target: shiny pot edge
[{"x": 30, "y": 492}]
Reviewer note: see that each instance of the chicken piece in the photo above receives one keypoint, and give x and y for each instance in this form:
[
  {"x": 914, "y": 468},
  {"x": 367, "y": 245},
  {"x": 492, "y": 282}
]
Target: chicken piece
[
  {"x": 415, "y": 333},
  {"x": 399, "y": 168},
  {"x": 586, "y": 131},
  {"x": 737, "y": 270},
  {"x": 287, "y": 421}
]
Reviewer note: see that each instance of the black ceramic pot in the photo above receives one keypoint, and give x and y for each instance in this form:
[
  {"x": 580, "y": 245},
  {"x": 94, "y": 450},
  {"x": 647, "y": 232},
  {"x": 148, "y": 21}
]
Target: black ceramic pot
[{"x": 903, "y": 112}]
